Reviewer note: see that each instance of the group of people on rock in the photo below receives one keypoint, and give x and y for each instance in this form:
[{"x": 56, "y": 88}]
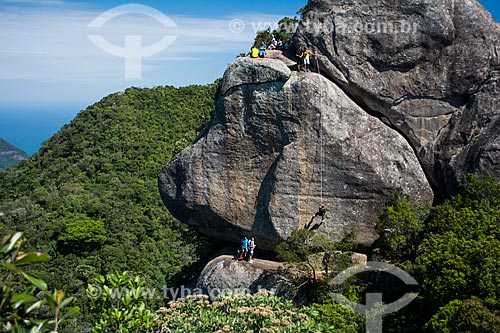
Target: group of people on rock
[
  {"x": 246, "y": 251},
  {"x": 259, "y": 52},
  {"x": 304, "y": 55},
  {"x": 276, "y": 44}
]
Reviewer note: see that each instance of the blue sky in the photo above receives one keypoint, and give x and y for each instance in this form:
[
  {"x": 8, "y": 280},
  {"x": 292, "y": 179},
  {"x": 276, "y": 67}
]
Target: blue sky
[
  {"x": 50, "y": 69},
  {"x": 47, "y": 56}
]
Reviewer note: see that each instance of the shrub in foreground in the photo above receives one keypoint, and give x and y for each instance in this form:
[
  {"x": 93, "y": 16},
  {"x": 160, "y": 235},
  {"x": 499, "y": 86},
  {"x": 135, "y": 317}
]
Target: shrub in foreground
[{"x": 261, "y": 312}]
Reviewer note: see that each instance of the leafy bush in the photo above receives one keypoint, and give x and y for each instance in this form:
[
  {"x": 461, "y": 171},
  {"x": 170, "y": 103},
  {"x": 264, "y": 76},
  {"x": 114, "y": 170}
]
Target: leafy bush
[
  {"x": 82, "y": 232},
  {"x": 305, "y": 250},
  {"x": 20, "y": 308},
  {"x": 469, "y": 316},
  {"x": 261, "y": 312},
  {"x": 401, "y": 225},
  {"x": 459, "y": 255},
  {"x": 284, "y": 32},
  {"x": 339, "y": 316},
  {"x": 120, "y": 301}
]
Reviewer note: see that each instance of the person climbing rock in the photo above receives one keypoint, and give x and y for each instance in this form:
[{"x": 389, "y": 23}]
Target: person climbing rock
[
  {"x": 244, "y": 247},
  {"x": 321, "y": 212},
  {"x": 254, "y": 52},
  {"x": 306, "y": 56},
  {"x": 251, "y": 247},
  {"x": 299, "y": 55}
]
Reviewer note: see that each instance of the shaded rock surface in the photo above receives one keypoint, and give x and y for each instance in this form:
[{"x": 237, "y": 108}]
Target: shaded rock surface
[
  {"x": 256, "y": 169},
  {"x": 430, "y": 68},
  {"x": 224, "y": 274}
]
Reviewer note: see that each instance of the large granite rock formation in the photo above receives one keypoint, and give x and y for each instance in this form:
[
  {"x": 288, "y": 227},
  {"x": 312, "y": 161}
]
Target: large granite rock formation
[
  {"x": 430, "y": 67},
  {"x": 256, "y": 169}
]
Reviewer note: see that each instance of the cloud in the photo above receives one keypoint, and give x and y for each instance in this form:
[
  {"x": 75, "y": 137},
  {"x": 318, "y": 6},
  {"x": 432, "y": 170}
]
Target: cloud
[
  {"x": 53, "y": 44},
  {"x": 46, "y": 55},
  {"x": 35, "y": 2}
]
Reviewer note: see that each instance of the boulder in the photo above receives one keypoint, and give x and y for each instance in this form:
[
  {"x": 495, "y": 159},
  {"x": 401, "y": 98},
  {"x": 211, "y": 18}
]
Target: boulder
[
  {"x": 225, "y": 275},
  {"x": 280, "y": 144},
  {"x": 255, "y": 71},
  {"x": 428, "y": 67},
  {"x": 359, "y": 259}
]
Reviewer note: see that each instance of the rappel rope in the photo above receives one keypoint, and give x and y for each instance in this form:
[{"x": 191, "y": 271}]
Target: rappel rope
[{"x": 321, "y": 155}]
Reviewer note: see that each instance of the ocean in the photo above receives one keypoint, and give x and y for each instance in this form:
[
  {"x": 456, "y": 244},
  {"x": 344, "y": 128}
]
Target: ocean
[{"x": 28, "y": 127}]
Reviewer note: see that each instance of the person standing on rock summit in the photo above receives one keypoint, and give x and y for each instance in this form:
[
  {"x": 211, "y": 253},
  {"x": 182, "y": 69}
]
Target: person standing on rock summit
[
  {"x": 305, "y": 59},
  {"x": 299, "y": 55}
]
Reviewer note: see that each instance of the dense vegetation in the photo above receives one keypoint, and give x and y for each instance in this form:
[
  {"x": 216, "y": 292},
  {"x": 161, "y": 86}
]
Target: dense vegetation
[
  {"x": 453, "y": 251},
  {"x": 10, "y": 156},
  {"x": 20, "y": 301},
  {"x": 261, "y": 312},
  {"x": 89, "y": 198},
  {"x": 284, "y": 32}
]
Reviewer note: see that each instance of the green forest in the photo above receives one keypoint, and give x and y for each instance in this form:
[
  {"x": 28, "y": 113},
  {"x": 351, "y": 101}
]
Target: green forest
[{"x": 89, "y": 198}]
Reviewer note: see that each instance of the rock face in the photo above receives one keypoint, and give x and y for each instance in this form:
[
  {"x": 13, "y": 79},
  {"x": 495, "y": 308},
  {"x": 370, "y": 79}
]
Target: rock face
[
  {"x": 429, "y": 67},
  {"x": 224, "y": 274},
  {"x": 256, "y": 169},
  {"x": 10, "y": 156}
]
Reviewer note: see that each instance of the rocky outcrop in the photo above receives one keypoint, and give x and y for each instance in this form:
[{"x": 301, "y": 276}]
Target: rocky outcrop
[
  {"x": 10, "y": 156},
  {"x": 257, "y": 170},
  {"x": 226, "y": 275},
  {"x": 429, "y": 68}
]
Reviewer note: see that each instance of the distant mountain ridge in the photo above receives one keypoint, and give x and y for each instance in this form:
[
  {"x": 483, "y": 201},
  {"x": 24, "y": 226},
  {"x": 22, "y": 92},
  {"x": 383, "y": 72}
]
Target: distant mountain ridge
[{"x": 10, "y": 156}]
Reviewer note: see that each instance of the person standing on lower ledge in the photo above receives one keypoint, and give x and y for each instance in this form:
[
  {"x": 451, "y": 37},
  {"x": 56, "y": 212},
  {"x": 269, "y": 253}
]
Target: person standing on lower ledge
[{"x": 251, "y": 247}]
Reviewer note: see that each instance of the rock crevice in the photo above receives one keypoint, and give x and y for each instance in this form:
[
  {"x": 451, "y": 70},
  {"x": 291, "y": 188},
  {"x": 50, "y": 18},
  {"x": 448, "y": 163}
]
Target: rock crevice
[{"x": 444, "y": 52}]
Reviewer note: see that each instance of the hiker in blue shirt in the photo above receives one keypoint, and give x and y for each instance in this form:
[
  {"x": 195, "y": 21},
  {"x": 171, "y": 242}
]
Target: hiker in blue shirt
[
  {"x": 262, "y": 50},
  {"x": 244, "y": 246}
]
